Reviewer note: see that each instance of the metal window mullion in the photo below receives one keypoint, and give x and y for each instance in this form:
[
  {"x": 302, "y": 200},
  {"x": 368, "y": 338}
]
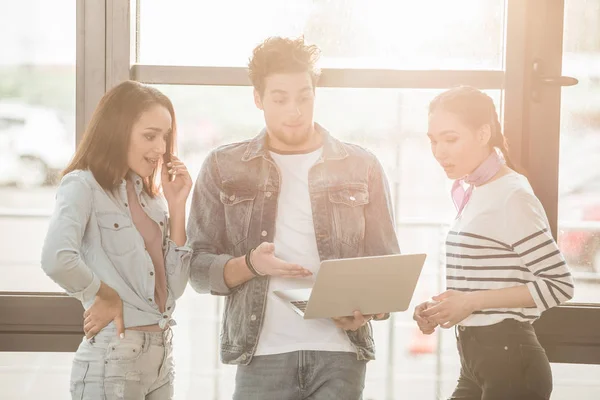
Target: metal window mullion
[
  {"x": 331, "y": 77},
  {"x": 90, "y": 60},
  {"x": 518, "y": 82},
  {"x": 119, "y": 49}
]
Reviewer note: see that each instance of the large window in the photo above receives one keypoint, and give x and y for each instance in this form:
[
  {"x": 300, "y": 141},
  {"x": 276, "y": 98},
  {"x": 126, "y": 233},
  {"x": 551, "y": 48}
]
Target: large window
[
  {"x": 37, "y": 130},
  {"x": 396, "y": 34},
  {"x": 383, "y": 62},
  {"x": 579, "y": 174}
]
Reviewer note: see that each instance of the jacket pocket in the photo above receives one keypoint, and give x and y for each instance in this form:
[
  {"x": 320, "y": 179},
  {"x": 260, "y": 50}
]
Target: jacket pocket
[
  {"x": 348, "y": 203},
  {"x": 124, "y": 350},
  {"x": 117, "y": 233},
  {"x": 238, "y": 212}
]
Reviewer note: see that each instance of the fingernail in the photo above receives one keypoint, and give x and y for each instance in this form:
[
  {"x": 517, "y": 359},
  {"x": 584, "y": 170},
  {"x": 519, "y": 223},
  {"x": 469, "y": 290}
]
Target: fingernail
[{"x": 122, "y": 336}]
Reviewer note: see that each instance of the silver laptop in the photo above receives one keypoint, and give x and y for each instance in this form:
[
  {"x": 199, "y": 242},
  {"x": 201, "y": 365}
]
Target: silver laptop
[{"x": 371, "y": 285}]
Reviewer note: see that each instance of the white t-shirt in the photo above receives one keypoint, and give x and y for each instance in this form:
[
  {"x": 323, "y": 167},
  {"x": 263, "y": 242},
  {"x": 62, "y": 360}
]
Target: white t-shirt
[{"x": 283, "y": 330}]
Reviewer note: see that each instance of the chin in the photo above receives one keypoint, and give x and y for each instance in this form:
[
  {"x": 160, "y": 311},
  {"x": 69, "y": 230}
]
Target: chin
[
  {"x": 144, "y": 173},
  {"x": 453, "y": 175}
]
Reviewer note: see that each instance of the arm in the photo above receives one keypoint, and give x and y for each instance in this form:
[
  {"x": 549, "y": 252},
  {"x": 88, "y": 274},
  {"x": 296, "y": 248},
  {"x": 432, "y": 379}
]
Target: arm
[
  {"x": 207, "y": 237},
  {"x": 552, "y": 284},
  {"x": 533, "y": 242},
  {"x": 512, "y": 297},
  {"x": 177, "y": 225},
  {"x": 61, "y": 257},
  {"x": 176, "y": 255},
  {"x": 211, "y": 269}
]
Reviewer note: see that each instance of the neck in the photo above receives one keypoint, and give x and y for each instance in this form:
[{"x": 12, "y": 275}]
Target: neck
[
  {"x": 487, "y": 170},
  {"x": 505, "y": 170}
]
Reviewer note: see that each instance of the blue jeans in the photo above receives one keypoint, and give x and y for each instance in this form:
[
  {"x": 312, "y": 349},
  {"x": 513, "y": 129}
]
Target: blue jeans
[
  {"x": 138, "y": 367},
  {"x": 301, "y": 375}
]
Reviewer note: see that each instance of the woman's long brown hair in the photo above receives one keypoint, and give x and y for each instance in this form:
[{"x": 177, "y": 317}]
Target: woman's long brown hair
[{"x": 105, "y": 143}]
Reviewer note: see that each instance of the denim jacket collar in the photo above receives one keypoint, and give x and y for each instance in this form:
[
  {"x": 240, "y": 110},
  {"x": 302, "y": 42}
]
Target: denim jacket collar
[{"x": 332, "y": 148}]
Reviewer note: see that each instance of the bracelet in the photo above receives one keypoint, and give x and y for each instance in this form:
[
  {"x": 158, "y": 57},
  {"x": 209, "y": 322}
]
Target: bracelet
[{"x": 250, "y": 265}]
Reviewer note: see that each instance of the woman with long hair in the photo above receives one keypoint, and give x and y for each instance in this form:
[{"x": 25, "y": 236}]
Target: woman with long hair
[
  {"x": 503, "y": 266},
  {"x": 116, "y": 242}
]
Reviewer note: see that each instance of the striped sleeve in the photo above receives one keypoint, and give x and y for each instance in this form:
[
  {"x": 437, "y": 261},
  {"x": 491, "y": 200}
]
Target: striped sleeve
[{"x": 532, "y": 240}]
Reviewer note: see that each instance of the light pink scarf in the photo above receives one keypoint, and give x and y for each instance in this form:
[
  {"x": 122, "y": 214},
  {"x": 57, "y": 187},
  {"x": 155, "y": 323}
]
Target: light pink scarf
[{"x": 482, "y": 174}]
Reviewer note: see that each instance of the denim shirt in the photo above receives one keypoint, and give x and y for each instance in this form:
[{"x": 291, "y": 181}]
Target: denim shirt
[
  {"x": 234, "y": 208},
  {"x": 92, "y": 238}
]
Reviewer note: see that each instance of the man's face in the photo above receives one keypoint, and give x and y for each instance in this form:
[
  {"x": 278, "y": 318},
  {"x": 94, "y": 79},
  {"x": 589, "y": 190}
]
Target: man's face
[{"x": 288, "y": 104}]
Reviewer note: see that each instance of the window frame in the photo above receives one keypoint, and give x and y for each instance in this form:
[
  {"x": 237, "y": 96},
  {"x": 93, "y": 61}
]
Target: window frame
[{"x": 108, "y": 51}]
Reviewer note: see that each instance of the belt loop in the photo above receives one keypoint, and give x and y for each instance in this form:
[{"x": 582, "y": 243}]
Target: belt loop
[
  {"x": 145, "y": 341},
  {"x": 168, "y": 336}
]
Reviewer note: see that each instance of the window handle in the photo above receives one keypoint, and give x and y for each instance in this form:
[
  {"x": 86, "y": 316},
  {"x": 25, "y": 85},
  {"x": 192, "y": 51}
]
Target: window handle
[{"x": 540, "y": 80}]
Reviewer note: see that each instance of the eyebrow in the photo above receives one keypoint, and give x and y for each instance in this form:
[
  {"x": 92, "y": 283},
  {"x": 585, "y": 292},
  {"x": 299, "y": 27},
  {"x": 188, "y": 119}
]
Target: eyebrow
[
  {"x": 158, "y": 130},
  {"x": 280, "y": 91},
  {"x": 442, "y": 133}
]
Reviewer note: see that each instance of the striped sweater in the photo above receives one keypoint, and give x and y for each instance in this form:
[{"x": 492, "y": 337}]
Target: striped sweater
[{"x": 502, "y": 239}]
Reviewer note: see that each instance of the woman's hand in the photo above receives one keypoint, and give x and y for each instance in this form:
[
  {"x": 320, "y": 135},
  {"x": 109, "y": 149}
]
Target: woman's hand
[
  {"x": 107, "y": 307},
  {"x": 176, "y": 183},
  {"x": 453, "y": 307}
]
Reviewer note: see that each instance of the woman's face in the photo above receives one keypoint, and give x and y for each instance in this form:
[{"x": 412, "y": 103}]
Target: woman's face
[
  {"x": 457, "y": 148},
  {"x": 148, "y": 142}
]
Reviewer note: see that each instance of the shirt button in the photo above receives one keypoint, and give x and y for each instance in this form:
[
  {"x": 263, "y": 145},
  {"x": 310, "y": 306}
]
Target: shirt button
[
  {"x": 151, "y": 273},
  {"x": 137, "y": 182},
  {"x": 244, "y": 357},
  {"x": 253, "y": 317},
  {"x": 268, "y": 194},
  {"x": 168, "y": 308},
  {"x": 352, "y": 198},
  {"x": 165, "y": 316},
  {"x": 161, "y": 223},
  {"x": 263, "y": 233},
  {"x": 116, "y": 225},
  {"x": 126, "y": 205},
  {"x": 143, "y": 205},
  {"x": 232, "y": 197},
  {"x": 150, "y": 300}
]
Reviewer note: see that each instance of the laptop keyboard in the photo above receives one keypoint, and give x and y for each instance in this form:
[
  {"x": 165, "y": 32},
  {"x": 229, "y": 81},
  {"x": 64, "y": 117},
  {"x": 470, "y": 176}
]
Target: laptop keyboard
[{"x": 301, "y": 305}]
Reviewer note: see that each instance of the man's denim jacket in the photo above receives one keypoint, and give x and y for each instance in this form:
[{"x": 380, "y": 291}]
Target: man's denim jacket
[{"x": 234, "y": 208}]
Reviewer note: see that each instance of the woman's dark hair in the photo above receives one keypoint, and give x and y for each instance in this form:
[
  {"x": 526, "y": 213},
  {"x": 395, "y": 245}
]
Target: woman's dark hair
[
  {"x": 475, "y": 109},
  {"x": 105, "y": 143}
]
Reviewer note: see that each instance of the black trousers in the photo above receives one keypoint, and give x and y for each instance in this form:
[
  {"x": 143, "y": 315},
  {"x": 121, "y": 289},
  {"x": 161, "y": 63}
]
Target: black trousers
[{"x": 503, "y": 361}]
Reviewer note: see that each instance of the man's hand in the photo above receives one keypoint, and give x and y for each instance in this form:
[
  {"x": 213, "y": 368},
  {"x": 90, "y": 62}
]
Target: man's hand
[
  {"x": 264, "y": 261},
  {"x": 107, "y": 307},
  {"x": 426, "y": 326},
  {"x": 355, "y": 322}
]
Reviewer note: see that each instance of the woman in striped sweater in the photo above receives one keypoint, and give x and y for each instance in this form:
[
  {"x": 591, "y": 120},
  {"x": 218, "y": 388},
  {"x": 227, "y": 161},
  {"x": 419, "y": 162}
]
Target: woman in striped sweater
[{"x": 503, "y": 266}]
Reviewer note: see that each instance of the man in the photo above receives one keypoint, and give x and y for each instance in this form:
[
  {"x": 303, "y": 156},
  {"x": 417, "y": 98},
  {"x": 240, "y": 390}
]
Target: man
[{"x": 265, "y": 212}]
